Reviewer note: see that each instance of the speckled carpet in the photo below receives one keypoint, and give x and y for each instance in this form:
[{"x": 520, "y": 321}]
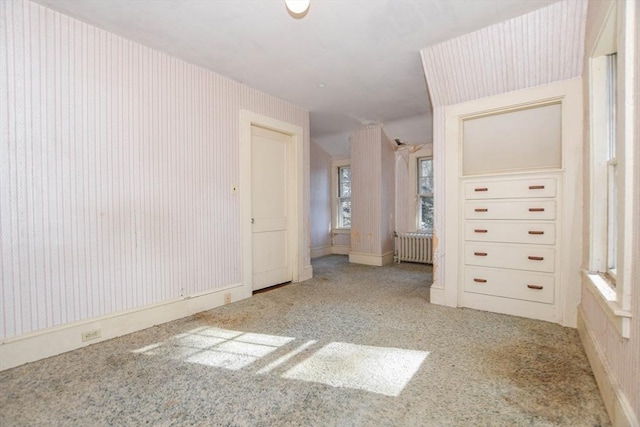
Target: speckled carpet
[{"x": 355, "y": 346}]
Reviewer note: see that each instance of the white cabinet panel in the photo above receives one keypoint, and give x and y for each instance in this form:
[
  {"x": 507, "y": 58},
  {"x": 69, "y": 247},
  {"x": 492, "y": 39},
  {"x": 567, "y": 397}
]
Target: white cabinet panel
[
  {"x": 536, "y": 233},
  {"x": 508, "y": 189},
  {"x": 521, "y": 257},
  {"x": 510, "y": 284},
  {"x": 507, "y": 209}
]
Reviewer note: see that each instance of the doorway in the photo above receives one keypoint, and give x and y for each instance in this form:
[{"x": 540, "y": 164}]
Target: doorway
[{"x": 271, "y": 201}]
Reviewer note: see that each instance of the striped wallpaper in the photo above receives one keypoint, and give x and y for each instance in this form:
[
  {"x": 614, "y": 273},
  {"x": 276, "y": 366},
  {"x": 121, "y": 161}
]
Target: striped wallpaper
[
  {"x": 538, "y": 48},
  {"x": 116, "y": 169},
  {"x": 373, "y": 191},
  {"x": 365, "y": 200}
]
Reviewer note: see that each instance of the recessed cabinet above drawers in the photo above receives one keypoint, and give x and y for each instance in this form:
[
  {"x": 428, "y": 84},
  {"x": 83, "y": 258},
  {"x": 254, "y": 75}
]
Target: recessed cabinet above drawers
[{"x": 509, "y": 189}]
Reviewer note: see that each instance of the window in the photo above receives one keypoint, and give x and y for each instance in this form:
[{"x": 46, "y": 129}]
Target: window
[
  {"x": 425, "y": 194},
  {"x": 612, "y": 165},
  {"x": 344, "y": 197},
  {"x": 612, "y": 116}
]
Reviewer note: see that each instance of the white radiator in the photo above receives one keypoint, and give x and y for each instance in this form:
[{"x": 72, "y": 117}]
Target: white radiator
[{"x": 414, "y": 247}]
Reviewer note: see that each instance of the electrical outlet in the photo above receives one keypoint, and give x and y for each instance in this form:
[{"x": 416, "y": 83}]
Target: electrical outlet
[
  {"x": 227, "y": 298},
  {"x": 90, "y": 335}
]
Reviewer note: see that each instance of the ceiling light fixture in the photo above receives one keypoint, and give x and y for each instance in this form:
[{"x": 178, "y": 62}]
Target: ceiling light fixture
[{"x": 297, "y": 7}]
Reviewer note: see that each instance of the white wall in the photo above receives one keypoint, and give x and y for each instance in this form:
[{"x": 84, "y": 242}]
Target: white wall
[{"x": 116, "y": 173}]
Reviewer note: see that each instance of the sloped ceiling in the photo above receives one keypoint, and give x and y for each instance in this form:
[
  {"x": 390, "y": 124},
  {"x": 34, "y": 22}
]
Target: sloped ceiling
[{"x": 538, "y": 48}]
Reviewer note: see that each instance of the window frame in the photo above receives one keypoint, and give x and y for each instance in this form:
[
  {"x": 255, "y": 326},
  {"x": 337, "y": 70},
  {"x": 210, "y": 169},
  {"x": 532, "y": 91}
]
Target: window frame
[
  {"x": 610, "y": 143},
  {"x": 414, "y": 198},
  {"x": 335, "y": 195}
]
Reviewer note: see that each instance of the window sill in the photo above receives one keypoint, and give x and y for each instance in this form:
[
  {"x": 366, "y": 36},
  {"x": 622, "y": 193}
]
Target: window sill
[
  {"x": 606, "y": 298},
  {"x": 341, "y": 231}
]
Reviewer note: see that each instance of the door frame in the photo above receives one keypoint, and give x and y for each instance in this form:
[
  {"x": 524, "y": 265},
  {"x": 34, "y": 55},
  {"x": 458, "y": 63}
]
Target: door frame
[{"x": 295, "y": 193}]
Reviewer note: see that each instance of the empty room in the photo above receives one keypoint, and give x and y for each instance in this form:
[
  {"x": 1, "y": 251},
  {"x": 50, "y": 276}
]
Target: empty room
[{"x": 320, "y": 212}]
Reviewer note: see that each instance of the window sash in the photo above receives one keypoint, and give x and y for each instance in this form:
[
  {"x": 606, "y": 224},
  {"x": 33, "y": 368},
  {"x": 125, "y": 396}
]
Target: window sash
[{"x": 424, "y": 194}]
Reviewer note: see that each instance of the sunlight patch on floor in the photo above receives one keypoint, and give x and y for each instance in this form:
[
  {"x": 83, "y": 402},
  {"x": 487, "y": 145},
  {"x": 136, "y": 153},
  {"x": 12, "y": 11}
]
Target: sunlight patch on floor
[{"x": 379, "y": 370}]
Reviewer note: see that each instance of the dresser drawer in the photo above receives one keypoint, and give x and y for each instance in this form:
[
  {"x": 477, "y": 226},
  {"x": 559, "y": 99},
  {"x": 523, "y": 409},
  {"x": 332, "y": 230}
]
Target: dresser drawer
[
  {"x": 528, "y": 209},
  {"x": 537, "y": 233},
  {"x": 509, "y": 284},
  {"x": 510, "y": 189},
  {"x": 520, "y": 257}
]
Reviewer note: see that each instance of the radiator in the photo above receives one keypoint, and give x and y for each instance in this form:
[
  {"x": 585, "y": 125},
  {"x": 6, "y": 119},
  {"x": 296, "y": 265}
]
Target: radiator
[{"x": 414, "y": 247}]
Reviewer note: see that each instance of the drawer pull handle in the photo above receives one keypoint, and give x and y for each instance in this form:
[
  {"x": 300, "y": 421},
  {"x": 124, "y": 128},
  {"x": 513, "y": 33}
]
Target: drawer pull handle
[
  {"x": 479, "y": 230},
  {"x": 536, "y": 258},
  {"x": 480, "y": 280},
  {"x": 480, "y": 253},
  {"x": 536, "y": 187},
  {"x": 536, "y": 209},
  {"x": 536, "y": 232},
  {"x": 481, "y": 209},
  {"x": 538, "y": 287},
  {"x": 481, "y": 189}
]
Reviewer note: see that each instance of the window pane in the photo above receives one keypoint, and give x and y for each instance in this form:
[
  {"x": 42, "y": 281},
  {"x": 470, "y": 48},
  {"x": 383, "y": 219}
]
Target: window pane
[
  {"x": 425, "y": 176},
  {"x": 612, "y": 216},
  {"x": 344, "y": 214},
  {"x": 344, "y": 181},
  {"x": 426, "y": 167},
  {"x": 426, "y": 213},
  {"x": 345, "y": 189}
]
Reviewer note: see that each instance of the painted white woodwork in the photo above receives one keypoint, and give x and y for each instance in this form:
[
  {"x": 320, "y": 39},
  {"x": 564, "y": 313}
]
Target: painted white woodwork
[
  {"x": 523, "y": 139},
  {"x": 270, "y": 194},
  {"x": 117, "y": 175},
  {"x": 510, "y": 189},
  {"x": 529, "y": 232},
  {"x": 615, "y": 360},
  {"x": 522, "y": 285},
  {"x": 512, "y": 204},
  {"x": 297, "y": 254}
]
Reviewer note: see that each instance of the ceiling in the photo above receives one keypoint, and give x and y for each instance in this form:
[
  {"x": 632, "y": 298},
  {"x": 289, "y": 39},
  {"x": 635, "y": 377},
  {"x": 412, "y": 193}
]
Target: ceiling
[{"x": 349, "y": 62}]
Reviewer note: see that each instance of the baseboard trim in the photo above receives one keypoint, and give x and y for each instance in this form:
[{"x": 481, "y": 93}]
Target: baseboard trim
[
  {"x": 618, "y": 407},
  {"x": 307, "y": 273},
  {"x": 340, "y": 250},
  {"x": 321, "y": 251},
  {"x": 369, "y": 259},
  {"x": 436, "y": 295},
  {"x": 49, "y": 342}
]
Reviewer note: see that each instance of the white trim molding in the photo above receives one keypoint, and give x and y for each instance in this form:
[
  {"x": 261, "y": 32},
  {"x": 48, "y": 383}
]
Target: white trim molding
[
  {"x": 61, "y": 339},
  {"x": 369, "y": 259}
]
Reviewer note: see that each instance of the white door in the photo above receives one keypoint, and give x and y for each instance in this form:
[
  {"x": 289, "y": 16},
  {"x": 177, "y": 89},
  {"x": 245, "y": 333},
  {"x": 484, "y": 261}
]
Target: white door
[{"x": 270, "y": 207}]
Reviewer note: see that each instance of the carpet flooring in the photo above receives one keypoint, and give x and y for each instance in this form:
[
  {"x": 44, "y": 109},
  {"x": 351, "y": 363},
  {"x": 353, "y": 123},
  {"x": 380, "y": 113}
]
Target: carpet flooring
[{"x": 354, "y": 346}]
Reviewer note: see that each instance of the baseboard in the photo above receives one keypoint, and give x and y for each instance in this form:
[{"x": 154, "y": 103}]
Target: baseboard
[
  {"x": 369, "y": 259},
  {"x": 436, "y": 295},
  {"x": 620, "y": 411},
  {"x": 321, "y": 251},
  {"x": 307, "y": 273},
  {"x": 340, "y": 250},
  {"x": 49, "y": 342}
]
